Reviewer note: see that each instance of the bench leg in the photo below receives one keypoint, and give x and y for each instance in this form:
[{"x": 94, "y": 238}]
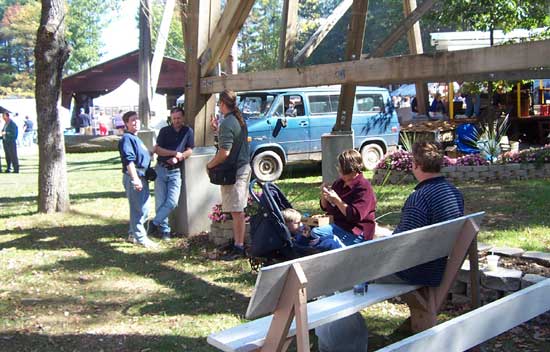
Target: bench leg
[
  {"x": 422, "y": 304},
  {"x": 292, "y": 303}
]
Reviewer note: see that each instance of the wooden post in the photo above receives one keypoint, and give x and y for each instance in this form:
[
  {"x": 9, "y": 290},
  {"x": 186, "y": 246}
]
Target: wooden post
[
  {"x": 451, "y": 97},
  {"x": 144, "y": 62},
  {"x": 287, "y": 39},
  {"x": 202, "y": 16},
  {"x": 415, "y": 47},
  {"x": 292, "y": 303},
  {"x": 354, "y": 48},
  {"x": 160, "y": 45},
  {"x": 474, "y": 274},
  {"x": 518, "y": 105}
]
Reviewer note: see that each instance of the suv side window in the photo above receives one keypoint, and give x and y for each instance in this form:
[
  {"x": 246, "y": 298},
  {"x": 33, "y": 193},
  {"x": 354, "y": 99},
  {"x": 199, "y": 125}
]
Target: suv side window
[
  {"x": 319, "y": 104},
  {"x": 370, "y": 102},
  {"x": 334, "y": 99}
]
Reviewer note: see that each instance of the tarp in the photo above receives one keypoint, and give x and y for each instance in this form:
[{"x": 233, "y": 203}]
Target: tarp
[{"x": 127, "y": 94}]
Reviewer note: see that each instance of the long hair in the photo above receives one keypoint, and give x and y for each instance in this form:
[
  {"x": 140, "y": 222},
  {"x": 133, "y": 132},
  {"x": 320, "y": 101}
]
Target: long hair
[{"x": 229, "y": 98}]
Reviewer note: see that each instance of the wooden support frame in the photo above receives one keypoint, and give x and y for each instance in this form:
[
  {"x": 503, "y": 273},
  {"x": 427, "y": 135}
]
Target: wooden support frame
[
  {"x": 225, "y": 33},
  {"x": 201, "y": 16},
  {"x": 499, "y": 62},
  {"x": 354, "y": 48},
  {"x": 320, "y": 34},
  {"x": 289, "y": 32},
  {"x": 292, "y": 304},
  {"x": 426, "y": 302},
  {"x": 405, "y": 25}
]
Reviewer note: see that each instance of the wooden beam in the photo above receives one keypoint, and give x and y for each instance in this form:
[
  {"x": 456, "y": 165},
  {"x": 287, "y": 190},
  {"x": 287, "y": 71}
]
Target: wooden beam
[
  {"x": 289, "y": 32},
  {"x": 160, "y": 45},
  {"x": 201, "y": 17},
  {"x": 354, "y": 48},
  {"x": 144, "y": 63},
  {"x": 414, "y": 38},
  {"x": 403, "y": 27},
  {"x": 225, "y": 33},
  {"x": 529, "y": 59},
  {"x": 320, "y": 34}
]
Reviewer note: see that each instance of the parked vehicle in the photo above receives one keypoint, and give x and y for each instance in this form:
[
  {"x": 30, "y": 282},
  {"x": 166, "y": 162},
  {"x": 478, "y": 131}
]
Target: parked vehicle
[{"x": 287, "y": 125}]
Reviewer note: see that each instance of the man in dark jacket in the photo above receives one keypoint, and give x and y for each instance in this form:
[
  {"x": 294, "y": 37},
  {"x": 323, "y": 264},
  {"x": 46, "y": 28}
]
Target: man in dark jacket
[{"x": 9, "y": 141}]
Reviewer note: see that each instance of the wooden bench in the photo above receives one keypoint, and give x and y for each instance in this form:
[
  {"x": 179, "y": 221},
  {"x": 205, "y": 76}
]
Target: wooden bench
[
  {"x": 284, "y": 289},
  {"x": 479, "y": 325}
]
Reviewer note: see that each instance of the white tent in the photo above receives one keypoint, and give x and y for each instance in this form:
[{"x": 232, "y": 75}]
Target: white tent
[{"x": 127, "y": 95}]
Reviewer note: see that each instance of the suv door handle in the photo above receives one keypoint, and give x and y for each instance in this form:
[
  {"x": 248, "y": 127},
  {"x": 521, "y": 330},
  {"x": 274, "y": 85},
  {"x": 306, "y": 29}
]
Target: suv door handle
[{"x": 302, "y": 123}]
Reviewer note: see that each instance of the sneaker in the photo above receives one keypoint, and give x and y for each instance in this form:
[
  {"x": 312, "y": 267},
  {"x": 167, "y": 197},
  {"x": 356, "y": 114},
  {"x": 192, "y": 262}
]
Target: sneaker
[
  {"x": 152, "y": 229},
  {"x": 147, "y": 243},
  {"x": 234, "y": 254},
  {"x": 166, "y": 236},
  {"x": 131, "y": 239}
]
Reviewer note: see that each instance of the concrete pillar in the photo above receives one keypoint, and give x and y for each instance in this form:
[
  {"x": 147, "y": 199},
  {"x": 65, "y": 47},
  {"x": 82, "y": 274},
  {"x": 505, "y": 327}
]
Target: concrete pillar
[
  {"x": 148, "y": 137},
  {"x": 198, "y": 195},
  {"x": 332, "y": 144}
]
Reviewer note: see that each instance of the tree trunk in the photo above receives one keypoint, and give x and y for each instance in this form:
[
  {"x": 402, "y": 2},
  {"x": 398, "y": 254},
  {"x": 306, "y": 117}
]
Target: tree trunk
[{"x": 51, "y": 53}]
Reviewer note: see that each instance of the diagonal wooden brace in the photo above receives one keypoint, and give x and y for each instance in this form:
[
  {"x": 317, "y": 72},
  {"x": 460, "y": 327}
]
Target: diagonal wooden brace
[
  {"x": 292, "y": 303},
  {"x": 425, "y": 302}
]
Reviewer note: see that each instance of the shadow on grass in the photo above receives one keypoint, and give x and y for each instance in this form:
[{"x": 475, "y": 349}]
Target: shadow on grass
[
  {"x": 18, "y": 342},
  {"x": 94, "y": 195},
  {"x": 192, "y": 294}
]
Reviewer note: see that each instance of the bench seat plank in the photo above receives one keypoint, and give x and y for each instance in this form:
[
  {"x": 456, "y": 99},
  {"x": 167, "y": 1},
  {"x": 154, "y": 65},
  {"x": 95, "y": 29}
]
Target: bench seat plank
[
  {"x": 481, "y": 324},
  {"x": 250, "y": 336}
]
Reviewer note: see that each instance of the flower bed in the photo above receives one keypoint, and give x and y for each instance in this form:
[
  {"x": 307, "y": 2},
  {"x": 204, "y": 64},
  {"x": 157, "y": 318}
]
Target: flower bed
[
  {"x": 396, "y": 167},
  {"x": 221, "y": 229}
]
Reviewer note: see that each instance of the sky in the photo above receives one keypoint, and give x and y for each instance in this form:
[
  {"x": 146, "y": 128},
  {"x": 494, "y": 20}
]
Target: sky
[{"x": 121, "y": 35}]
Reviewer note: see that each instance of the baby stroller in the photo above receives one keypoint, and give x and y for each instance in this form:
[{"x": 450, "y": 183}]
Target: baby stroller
[{"x": 271, "y": 241}]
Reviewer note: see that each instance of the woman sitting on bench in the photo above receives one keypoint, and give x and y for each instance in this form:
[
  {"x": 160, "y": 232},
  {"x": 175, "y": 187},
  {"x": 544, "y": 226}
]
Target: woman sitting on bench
[{"x": 351, "y": 202}]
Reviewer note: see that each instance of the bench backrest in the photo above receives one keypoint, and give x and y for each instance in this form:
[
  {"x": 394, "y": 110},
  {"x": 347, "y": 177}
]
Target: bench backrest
[{"x": 342, "y": 268}]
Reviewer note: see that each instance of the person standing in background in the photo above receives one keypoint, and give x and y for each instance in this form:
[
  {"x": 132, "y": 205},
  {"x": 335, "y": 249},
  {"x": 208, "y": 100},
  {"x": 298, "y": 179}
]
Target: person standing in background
[
  {"x": 9, "y": 142},
  {"x": 28, "y": 132}
]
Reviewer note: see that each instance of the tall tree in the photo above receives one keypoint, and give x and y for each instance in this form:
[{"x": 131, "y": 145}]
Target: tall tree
[
  {"x": 85, "y": 21},
  {"x": 18, "y": 35},
  {"x": 51, "y": 54}
]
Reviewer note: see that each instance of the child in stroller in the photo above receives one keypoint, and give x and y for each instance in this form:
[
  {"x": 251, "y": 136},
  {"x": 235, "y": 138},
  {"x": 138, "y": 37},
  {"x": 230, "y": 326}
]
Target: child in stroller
[
  {"x": 271, "y": 238},
  {"x": 302, "y": 236}
]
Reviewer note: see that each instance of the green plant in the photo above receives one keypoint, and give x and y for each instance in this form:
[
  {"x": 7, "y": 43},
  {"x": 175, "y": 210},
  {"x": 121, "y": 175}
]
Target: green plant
[
  {"x": 488, "y": 140},
  {"x": 407, "y": 140}
]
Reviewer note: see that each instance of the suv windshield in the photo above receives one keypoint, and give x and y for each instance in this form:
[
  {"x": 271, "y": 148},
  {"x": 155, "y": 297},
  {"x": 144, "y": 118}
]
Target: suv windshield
[{"x": 255, "y": 105}]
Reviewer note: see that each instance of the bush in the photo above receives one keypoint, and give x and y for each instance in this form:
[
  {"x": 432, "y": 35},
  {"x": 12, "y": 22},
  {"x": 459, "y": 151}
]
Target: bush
[{"x": 531, "y": 155}]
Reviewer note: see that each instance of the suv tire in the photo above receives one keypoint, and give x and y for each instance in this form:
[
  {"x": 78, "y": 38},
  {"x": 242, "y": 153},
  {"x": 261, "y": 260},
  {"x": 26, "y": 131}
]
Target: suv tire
[
  {"x": 372, "y": 153},
  {"x": 267, "y": 166}
]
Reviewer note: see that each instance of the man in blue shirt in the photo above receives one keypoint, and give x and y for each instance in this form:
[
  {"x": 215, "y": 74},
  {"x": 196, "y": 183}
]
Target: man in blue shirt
[
  {"x": 433, "y": 200},
  {"x": 175, "y": 143}
]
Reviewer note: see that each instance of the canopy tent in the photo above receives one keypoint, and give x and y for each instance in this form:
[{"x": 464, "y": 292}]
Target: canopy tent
[{"x": 127, "y": 95}]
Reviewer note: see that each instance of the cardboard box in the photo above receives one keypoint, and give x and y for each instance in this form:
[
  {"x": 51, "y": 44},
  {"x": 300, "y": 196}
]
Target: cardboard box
[{"x": 318, "y": 220}]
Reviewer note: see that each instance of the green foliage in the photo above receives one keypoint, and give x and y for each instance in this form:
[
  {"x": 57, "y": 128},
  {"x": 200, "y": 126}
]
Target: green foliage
[
  {"x": 174, "y": 45},
  {"x": 259, "y": 37},
  {"x": 485, "y": 15},
  {"x": 85, "y": 21}
]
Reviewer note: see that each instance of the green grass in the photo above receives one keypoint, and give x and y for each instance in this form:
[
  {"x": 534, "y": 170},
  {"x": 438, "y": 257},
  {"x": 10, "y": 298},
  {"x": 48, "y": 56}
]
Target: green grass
[{"x": 71, "y": 282}]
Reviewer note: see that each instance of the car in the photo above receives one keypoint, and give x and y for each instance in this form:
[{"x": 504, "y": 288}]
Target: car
[{"x": 286, "y": 125}]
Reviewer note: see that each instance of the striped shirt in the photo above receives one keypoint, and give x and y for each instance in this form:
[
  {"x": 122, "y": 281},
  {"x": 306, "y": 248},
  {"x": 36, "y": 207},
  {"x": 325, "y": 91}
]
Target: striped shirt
[{"x": 433, "y": 200}]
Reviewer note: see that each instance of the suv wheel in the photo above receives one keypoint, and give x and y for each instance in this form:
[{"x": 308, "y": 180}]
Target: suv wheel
[
  {"x": 267, "y": 166},
  {"x": 372, "y": 154}
]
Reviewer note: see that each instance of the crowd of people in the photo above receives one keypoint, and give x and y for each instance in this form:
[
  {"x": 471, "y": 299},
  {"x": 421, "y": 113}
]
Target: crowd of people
[{"x": 350, "y": 199}]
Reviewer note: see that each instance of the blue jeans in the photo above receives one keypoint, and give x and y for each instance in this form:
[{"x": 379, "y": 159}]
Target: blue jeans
[
  {"x": 167, "y": 195},
  {"x": 139, "y": 207},
  {"x": 346, "y": 237}
]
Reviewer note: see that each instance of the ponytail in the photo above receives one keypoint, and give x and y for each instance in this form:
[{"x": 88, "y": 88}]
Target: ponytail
[{"x": 229, "y": 98}]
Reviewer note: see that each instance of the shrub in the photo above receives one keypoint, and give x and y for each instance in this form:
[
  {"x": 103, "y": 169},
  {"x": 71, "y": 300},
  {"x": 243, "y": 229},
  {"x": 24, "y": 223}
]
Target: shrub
[{"x": 531, "y": 155}]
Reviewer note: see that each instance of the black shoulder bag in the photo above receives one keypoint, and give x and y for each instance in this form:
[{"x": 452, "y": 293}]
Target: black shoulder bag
[{"x": 226, "y": 172}]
